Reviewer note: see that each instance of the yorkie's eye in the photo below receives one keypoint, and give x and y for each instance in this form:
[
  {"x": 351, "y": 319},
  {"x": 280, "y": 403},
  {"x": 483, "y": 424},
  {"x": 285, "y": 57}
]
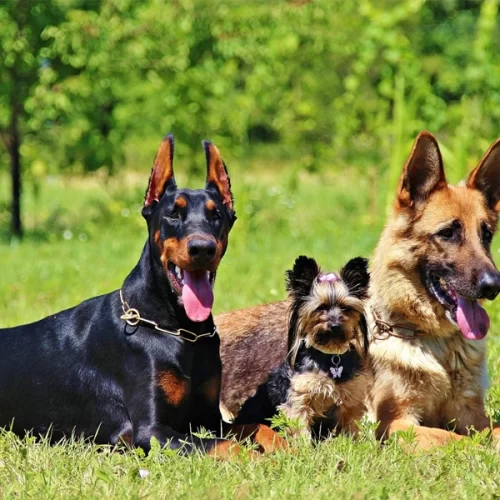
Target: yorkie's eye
[
  {"x": 322, "y": 307},
  {"x": 347, "y": 309}
]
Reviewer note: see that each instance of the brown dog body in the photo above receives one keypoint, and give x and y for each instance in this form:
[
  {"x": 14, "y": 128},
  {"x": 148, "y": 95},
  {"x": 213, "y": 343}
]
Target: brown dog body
[{"x": 253, "y": 342}]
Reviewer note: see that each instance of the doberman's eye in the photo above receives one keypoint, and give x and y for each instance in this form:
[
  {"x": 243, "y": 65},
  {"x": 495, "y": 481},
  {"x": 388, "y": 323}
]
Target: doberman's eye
[
  {"x": 216, "y": 215},
  {"x": 174, "y": 214},
  {"x": 487, "y": 235}
]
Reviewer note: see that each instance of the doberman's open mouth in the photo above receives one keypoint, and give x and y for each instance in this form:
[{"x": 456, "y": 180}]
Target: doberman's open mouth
[
  {"x": 468, "y": 315},
  {"x": 195, "y": 289}
]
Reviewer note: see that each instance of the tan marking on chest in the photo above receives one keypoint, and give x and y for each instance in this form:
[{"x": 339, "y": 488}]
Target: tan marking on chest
[
  {"x": 173, "y": 386},
  {"x": 211, "y": 389}
]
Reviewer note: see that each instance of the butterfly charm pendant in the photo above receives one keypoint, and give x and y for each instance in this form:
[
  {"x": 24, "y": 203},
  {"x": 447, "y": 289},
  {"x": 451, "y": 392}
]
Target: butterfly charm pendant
[{"x": 336, "y": 370}]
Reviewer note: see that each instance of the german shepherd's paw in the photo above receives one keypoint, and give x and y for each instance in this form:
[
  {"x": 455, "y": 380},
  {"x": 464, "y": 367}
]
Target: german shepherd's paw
[
  {"x": 495, "y": 435},
  {"x": 425, "y": 438}
]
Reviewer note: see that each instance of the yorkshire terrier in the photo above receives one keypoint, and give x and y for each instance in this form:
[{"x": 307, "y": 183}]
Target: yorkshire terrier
[{"x": 323, "y": 382}]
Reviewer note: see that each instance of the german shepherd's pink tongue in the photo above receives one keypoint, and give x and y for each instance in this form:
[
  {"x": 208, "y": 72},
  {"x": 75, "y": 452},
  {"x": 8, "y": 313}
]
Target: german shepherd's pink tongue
[
  {"x": 472, "y": 319},
  {"x": 197, "y": 295}
]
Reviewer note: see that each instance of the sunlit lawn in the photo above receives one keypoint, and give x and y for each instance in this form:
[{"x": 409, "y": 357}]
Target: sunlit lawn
[{"x": 85, "y": 235}]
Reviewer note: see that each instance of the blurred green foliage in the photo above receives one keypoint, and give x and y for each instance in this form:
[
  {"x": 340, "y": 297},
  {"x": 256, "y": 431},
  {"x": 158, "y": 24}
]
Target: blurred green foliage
[{"x": 324, "y": 82}]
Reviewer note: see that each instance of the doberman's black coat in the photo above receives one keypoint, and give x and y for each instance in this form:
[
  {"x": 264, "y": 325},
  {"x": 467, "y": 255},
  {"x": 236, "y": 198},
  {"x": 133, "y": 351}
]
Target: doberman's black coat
[{"x": 86, "y": 371}]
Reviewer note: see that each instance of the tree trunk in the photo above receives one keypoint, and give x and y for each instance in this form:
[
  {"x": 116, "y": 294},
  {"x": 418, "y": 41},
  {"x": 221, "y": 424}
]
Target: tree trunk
[{"x": 15, "y": 163}]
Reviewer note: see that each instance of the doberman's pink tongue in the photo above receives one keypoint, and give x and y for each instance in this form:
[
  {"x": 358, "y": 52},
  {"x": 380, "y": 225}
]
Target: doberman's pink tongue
[
  {"x": 197, "y": 295},
  {"x": 472, "y": 319}
]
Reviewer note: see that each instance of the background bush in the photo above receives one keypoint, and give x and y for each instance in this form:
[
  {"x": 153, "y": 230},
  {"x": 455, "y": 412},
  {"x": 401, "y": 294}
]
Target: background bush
[{"x": 323, "y": 84}]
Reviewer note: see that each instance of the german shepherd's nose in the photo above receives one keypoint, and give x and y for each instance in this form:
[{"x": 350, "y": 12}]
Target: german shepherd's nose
[
  {"x": 489, "y": 285},
  {"x": 201, "y": 251}
]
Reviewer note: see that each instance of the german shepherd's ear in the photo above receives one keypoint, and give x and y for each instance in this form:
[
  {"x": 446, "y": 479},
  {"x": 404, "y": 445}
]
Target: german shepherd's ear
[
  {"x": 300, "y": 279},
  {"x": 217, "y": 174},
  {"x": 423, "y": 172},
  {"x": 486, "y": 176},
  {"x": 355, "y": 275},
  {"x": 162, "y": 175}
]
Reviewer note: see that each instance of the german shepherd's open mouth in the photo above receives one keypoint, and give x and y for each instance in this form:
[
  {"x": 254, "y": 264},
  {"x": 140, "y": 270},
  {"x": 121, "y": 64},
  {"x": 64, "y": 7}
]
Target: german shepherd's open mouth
[{"x": 472, "y": 320}]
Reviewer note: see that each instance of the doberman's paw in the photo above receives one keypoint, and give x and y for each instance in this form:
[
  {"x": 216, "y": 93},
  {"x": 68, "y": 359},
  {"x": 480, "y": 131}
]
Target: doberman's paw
[
  {"x": 267, "y": 440},
  {"x": 226, "y": 450}
]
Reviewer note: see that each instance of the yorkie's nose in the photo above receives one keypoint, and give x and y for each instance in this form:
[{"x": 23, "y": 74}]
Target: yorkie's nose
[{"x": 337, "y": 331}]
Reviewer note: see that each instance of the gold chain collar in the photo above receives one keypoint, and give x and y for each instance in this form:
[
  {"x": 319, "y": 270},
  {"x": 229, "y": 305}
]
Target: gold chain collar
[
  {"x": 132, "y": 317},
  {"x": 386, "y": 330}
]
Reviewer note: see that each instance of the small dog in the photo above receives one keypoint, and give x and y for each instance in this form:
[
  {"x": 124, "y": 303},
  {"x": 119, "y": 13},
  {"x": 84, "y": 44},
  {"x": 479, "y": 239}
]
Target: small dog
[{"x": 323, "y": 382}]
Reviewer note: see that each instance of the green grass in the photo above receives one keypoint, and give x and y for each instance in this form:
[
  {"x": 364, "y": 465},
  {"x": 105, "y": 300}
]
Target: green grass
[{"x": 84, "y": 236}]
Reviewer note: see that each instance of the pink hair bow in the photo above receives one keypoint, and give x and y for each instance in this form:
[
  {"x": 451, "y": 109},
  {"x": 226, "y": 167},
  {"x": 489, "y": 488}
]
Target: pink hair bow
[{"x": 329, "y": 278}]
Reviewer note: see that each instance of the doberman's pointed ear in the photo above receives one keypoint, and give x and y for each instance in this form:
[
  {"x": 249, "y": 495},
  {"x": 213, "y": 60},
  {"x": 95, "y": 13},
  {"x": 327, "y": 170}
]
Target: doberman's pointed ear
[
  {"x": 217, "y": 174},
  {"x": 162, "y": 175},
  {"x": 355, "y": 276},
  {"x": 486, "y": 176},
  {"x": 300, "y": 279},
  {"x": 423, "y": 172}
]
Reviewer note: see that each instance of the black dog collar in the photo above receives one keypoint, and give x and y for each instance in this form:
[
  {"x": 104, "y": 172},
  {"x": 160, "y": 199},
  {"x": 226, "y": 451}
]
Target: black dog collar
[{"x": 339, "y": 367}]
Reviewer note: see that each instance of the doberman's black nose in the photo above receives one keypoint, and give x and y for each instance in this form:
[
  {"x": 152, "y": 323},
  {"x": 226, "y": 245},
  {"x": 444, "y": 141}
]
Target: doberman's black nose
[
  {"x": 489, "y": 285},
  {"x": 201, "y": 251}
]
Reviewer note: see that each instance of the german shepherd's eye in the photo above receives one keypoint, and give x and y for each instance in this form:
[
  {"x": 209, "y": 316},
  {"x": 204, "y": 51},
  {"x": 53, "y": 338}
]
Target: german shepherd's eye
[
  {"x": 450, "y": 232},
  {"x": 487, "y": 235},
  {"x": 446, "y": 233}
]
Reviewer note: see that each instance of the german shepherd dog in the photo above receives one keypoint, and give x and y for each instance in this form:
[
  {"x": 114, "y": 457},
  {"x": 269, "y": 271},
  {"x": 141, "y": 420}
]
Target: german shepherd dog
[
  {"x": 431, "y": 268},
  {"x": 323, "y": 383}
]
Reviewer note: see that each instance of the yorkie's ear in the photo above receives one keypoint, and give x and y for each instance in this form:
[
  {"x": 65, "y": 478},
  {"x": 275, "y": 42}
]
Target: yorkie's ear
[
  {"x": 301, "y": 278},
  {"x": 355, "y": 275}
]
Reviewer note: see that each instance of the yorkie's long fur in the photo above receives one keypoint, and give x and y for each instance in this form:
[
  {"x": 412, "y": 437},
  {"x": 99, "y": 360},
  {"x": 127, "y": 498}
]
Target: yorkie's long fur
[{"x": 324, "y": 381}]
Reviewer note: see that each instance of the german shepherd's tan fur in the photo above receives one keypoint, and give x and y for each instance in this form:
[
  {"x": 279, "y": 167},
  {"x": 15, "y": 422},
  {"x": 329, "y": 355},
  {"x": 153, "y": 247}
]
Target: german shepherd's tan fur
[
  {"x": 427, "y": 375},
  {"x": 437, "y": 378}
]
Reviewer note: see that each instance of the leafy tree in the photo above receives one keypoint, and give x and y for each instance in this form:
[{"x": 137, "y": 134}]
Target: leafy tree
[
  {"x": 22, "y": 23},
  {"x": 324, "y": 81}
]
